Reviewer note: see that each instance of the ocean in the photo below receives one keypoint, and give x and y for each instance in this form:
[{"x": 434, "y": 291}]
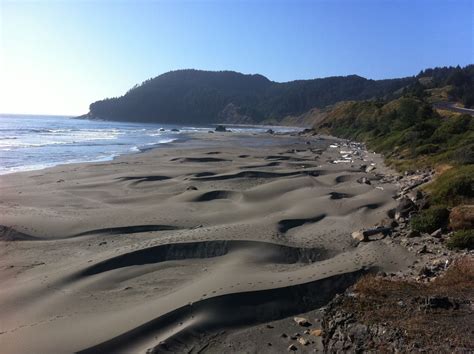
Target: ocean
[{"x": 30, "y": 142}]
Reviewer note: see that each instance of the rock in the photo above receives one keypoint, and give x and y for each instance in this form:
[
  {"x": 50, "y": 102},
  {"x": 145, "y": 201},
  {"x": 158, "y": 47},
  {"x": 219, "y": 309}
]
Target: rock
[
  {"x": 438, "y": 302},
  {"x": 426, "y": 272},
  {"x": 302, "y": 321},
  {"x": 357, "y": 331},
  {"x": 175, "y": 130},
  {"x": 462, "y": 217},
  {"x": 404, "y": 208},
  {"x": 359, "y": 236},
  {"x": 316, "y": 332},
  {"x": 191, "y": 188},
  {"x": 292, "y": 348},
  {"x": 162, "y": 129},
  {"x": 363, "y": 236},
  {"x": 210, "y": 132},
  {"x": 270, "y": 326},
  {"x": 270, "y": 131},
  {"x": 221, "y": 128},
  {"x": 364, "y": 180},
  {"x": 413, "y": 233},
  {"x": 306, "y": 131},
  {"x": 284, "y": 335},
  {"x": 437, "y": 234},
  {"x": 414, "y": 195},
  {"x": 370, "y": 169},
  {"x": 423, "y": 249},
  {"x": 303, "y": 341}
]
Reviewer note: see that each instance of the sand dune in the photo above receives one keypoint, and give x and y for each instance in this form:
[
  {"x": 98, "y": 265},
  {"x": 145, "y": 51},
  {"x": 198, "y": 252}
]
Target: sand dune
[{"x": 156, "y": 250}]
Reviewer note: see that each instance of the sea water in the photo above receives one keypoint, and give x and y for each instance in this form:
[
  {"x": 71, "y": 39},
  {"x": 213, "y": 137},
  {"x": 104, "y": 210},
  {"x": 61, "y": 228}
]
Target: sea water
[{"x": 30, "y": 142}]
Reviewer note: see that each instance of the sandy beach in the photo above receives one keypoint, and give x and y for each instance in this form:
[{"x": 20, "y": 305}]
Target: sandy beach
[{"x": 207, "y": 238}]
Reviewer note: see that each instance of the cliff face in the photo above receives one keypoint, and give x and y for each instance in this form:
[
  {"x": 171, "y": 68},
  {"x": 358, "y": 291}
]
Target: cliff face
[{"x": 203, "y": 97}]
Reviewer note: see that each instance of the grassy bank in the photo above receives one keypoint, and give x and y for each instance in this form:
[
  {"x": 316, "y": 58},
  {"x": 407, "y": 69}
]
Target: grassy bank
[
  {"x": 412, "y": 135},
  {"x": 407, "y": 131}
]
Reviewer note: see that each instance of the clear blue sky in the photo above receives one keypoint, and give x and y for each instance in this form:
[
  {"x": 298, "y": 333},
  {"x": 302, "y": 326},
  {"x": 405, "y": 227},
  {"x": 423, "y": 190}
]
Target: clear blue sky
[{"x": 59, "y": 56}]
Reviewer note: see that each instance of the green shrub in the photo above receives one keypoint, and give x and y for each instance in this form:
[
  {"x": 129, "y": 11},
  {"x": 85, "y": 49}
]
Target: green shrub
[
  {"x": 461, "y": 240},
  {"x": 453, "y": 187},
  {"x": 426, "y": 149},
  {"x": 431, "y": 219},
  {"x": 464, "y": 154}
]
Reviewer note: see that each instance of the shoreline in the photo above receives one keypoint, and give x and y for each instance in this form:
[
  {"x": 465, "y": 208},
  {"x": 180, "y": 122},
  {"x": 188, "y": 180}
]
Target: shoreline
[
  {"x": 253, "y": 220},
  {"x": 182, "y": 137}
]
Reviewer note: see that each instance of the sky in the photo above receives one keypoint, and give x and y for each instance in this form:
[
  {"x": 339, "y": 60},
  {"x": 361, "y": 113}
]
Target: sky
[{"x": 57, "y": 57}]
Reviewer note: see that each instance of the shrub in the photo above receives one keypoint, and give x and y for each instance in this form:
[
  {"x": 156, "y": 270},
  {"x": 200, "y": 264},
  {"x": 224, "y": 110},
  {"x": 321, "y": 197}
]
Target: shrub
[
  {"x": 426, "y": 149},
  {"x": 464, "y": 154},
  {"x": 454, "y": 186},
  {"x": 461, "y": 240},
  {"x": 431, "y": 219}
]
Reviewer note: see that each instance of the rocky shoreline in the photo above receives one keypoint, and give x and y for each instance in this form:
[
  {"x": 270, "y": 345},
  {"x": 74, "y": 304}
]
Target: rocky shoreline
[{"x": 343, "y": 331}]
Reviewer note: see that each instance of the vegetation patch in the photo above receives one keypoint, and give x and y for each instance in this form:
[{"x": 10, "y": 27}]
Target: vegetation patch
[
  {"x": 431, "y": 219},
  {"x": 407, "y": 131},
  {"x": 455, "y": 186},
  {"x": 463, "y": 239},
  {"x": 436, "y": 316}
]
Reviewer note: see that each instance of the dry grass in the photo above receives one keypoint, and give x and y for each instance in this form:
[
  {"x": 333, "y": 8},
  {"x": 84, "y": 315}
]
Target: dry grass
[{"x": 399, "y": 304}]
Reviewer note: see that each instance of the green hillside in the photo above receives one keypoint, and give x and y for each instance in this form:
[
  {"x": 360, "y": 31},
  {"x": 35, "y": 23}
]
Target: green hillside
[{"x": 202, "y": 97}]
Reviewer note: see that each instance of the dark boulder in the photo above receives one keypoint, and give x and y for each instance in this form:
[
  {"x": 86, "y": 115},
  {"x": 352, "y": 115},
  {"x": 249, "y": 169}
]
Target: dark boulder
[
  {"x": 404, "y": 208},
  {"x": 221, "y": 128}
]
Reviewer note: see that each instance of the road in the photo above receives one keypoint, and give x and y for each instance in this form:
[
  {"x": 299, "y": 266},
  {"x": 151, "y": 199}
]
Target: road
[{"x": 450, "y": 106}]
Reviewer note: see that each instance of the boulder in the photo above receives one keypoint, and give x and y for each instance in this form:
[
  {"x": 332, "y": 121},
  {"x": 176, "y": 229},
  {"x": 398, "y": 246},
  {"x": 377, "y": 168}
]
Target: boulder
[
  {"x": 415, "y": 195},
  {"x": 364, "y": 180},
  {"x": 316, "y": 332},
  {"x": 404, "y": 208},
  {"x": 292, "y": 348},
  {"x": 270, "y": 131},
  {"x": 162, "y": 129},
  {"x": 302, "y": 321},
  {"x": 462, "y": 217},
  {"x": 359, "y": 236},
  {"x": 413, "y": 233},
  {"x": 303, "y": 341},
  {"x": 370, "y": 169},
  {"x": 175, "y": 130},
  {"x": 221, "y": 128},
  {"x": 437, "y": 234},
  {"x": 364, "y": 235},
  {"x": 306, "y": 131},
  {"x": 437, "y": 302}
]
